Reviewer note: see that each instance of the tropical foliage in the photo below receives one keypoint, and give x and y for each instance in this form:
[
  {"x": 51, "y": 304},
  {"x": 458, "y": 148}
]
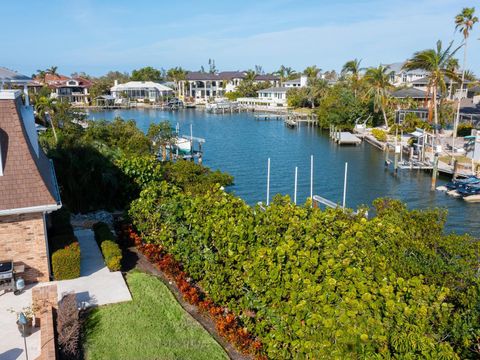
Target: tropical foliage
[{"x": 324, "y": 284}]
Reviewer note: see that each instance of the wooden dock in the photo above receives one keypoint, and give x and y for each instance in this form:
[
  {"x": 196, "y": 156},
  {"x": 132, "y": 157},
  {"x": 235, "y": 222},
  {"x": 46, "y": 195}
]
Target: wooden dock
[{"x": 344, "y": 137}]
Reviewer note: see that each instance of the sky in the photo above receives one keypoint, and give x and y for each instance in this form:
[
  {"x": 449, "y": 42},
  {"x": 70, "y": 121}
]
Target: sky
[{"x": 99, "y": 36}]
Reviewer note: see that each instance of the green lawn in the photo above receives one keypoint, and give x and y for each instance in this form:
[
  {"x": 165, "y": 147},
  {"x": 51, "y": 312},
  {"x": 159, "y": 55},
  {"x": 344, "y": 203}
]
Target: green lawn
[{"x": 152, "y": 326}]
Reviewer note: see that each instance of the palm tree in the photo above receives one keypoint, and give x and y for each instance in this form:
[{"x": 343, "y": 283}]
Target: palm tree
[
  {"x": 41, "y": 74},
  {"x": 45, "y": 108},
  {"x": 311, "y": 72},
  {"x": 464, "y": 23},
  {"x": 176, "y": 74},
  {"x": 436, "y": 63},
  {"x": 285, "y": 72},
  {"x": 353, "y": 68},
  {"x": 250, "y": 75},
  {"x": 52, "y": 70},
  {"x": 378, "y": 80},
  {"x": 453, "y": 66}
]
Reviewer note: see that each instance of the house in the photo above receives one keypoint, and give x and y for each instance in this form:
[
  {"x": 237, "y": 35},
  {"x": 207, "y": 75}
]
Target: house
[
  {"x": 300, "y": 82},
  {"x": 141, "y": 91},
  {"x": 271, "y": 97},
  {"x": 401, "y": 77},
  {"x": 73, "y": 90},
  {"x": 200, "y": 86},
  {"x": 28, "y": 187}
]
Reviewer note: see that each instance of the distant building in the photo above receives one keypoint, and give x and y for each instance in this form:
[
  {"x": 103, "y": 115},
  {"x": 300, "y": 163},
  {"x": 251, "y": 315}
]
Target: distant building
[
  {"x": 302, "y": 81},
  {"x": 401, "y": 77},
  {"x": 271, "y": 97},
  {"x": 141, "y": 91},
  {"x": 200, "y": 86},
  {"x": 63, "y": 88},
  {"x": 28, "y": 186}
]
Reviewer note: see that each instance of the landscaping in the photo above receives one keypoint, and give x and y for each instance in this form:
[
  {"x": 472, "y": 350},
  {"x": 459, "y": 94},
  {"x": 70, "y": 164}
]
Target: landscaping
[
  {"x": 152, "y": 326},
  {"x": 107, "y": 243}
]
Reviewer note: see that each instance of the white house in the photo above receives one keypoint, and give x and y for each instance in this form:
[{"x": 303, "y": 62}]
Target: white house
[
  {"x": 140, "y": 90},
  {"x": 271, "y": 97},
  {"x": 300, "y": 82},
  {"x": 200, "y": 86},
  {"x": 401, "y": 77}
]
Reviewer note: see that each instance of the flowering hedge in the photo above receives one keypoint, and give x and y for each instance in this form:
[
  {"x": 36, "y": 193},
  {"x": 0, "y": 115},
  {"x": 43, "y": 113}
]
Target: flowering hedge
[{"x": 320, "y": 284}]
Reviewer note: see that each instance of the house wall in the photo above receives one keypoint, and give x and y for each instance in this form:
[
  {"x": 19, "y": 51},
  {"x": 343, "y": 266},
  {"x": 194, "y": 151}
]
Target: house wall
[{"x": 23, "y": 240}]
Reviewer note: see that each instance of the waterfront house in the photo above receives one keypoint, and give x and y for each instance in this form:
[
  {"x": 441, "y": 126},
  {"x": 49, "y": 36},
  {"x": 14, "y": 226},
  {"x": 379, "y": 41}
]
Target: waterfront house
[
  {"x": 73, "y": 90},
  {"x": 272, "y": 97},
  {"x": 28, "y": 186},
  {"x": 302, "y": 81},
  {"x": 141, "y": 91},
  {"x": 401, "y": 77},
  {"x": 201, "y": 87}
]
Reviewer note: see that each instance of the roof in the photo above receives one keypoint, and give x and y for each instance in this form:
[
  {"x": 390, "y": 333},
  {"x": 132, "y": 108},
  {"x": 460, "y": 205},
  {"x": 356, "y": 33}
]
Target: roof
[
  {"x": 227, "y": 75},
  {"x": 105, "y": 97},
  {"x": 197, "y": 75},
  {"x": 398, "y": 68},
  {"x": 274, "y": 89},
  {"x": 475, "y": 89},
  {"x": 132, "y": 85},
  {"x": 425, "y": 81},
  {"x": 267, "y": 77},
  {"x": 294, "y": 81},
  {"x": 28, "y": 179},
  {"x": 7, "y": 75},
  {"x": 409, "y": 92}
]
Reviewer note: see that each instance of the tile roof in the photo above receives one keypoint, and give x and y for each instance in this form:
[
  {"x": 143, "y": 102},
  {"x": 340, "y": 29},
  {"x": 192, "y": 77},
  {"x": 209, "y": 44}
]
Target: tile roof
[{"x": 28, "y": 180}]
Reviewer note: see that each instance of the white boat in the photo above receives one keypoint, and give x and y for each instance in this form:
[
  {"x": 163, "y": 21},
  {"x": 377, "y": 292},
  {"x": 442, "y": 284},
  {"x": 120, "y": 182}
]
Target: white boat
[
  {"x": 472, "y": 198},
  {"x": 454, "y": 193},
  {"x": 183, "y": 145}
]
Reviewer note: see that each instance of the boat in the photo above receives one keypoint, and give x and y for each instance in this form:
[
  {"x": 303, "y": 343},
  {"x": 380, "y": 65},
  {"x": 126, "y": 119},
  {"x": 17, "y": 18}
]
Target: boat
[
  {"x": 468, "y": 190},
  {"x": 460, "y": 183},
  {"x": 181, "y": 145}
]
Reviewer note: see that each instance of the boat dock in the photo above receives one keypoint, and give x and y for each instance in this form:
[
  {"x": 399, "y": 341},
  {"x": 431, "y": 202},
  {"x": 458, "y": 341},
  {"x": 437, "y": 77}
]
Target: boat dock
[{"x": 344, "y": 137}]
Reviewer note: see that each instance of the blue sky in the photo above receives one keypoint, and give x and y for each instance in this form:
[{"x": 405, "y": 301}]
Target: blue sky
[{"x": 97, "y": 36}]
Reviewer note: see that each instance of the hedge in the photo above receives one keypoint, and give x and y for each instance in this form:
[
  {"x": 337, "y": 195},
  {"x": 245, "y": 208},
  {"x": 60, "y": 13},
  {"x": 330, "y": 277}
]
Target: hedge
[
  {"x": 112, "y": 254},
  {"x": 110, "y": 249},
  {"x": 66, "y": 262}
]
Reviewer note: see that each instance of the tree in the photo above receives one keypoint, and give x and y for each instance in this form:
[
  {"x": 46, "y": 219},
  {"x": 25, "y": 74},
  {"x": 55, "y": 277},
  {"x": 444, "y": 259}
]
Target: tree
[
  {"x": 176, "y": 75},
  {"x": 378, "y": 80},
  {"x": 45, "y": 108},
  {"x": 250, "y": 75},
  {"x": 41, "y": 75},
  {"x": 211, "y": 66},
  {"x": 147, "y": 73},
  {"x": 311, "y": 72},
  {"x": 161, "y": 136},
  {"x": 52, "y": 70},
  {"x": 352, "y": 68},
  {"x": 436, "y": 63},
  {"x": 259, "y": 70},
  {"x": 285, "y": 73},
  {"x": 463, "y": 23}
]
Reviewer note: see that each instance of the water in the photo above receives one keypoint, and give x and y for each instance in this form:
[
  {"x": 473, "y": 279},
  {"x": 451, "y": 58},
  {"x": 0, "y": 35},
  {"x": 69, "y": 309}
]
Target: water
[{"x": 240, "y": 145}]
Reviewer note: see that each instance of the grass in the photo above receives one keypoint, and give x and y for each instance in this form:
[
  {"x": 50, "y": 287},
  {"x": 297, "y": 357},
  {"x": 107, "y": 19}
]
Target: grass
[{"x": 152, "y": 326}]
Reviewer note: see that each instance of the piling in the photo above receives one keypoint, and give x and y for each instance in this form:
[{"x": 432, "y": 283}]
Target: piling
[
  {"x": 387, "y": 160},
  {"x": 434, "y": 172},
  {"x": 455, "y": 169}
]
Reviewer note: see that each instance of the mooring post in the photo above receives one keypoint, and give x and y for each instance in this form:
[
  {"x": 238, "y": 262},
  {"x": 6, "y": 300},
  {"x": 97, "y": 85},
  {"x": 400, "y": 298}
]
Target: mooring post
[
  {"x": 268, "y": 182},
  {"x": 345, "y": 186},
  {"x": 434, "y": 171},
  {"x": 455, "y": 169},
  {"x": 295, "y": 187},
  {"x": 311, "y": 179},
  {"x": 386, "y": 156}
]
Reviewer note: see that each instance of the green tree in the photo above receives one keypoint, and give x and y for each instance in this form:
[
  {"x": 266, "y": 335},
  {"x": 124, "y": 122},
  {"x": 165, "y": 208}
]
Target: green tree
[
  {"x": 161, "y": 136},
  {"x": 52, "y": 70},
  {"x": 436, "y": 62},
  {"x": 176, "y": 75},
  {"x": 45, "y": 108},
  {"x": 311, "y": 72},
  {"x": 147, "y": 73},
  {"x": 378, "y": 82},
  {"x": 353, "y": 69}
]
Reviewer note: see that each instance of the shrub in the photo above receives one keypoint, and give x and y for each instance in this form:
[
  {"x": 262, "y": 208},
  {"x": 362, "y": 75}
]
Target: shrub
[
  {"x": 112, "y": 254},
  {"x": 66, "y": 262},
  {"x": 464, "y": 130},
  {"x": 110, "y": 249},
  {"x": 68, "y": 327},
  {"x": 380, "y": 135}
]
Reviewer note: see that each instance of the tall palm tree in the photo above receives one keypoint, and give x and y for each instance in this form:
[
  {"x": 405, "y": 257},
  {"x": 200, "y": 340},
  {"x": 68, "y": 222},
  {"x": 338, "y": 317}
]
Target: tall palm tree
[
  {"x": 453, "y": 66},
  {"x": 353, "y": 68},
  {"x": 250, "y": 75},
  {"x": 378, "y": 80},
  {"x": 436, "y": 63},
  {"x": 285, "y": 72},
  {"x": 464, "y": 23},
  {"x": 176, "y": 75}
]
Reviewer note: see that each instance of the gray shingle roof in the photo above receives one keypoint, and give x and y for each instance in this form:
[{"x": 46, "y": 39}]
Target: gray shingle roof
[
  {"x": 409, "y": 92},
  {"x": 7, "y": 75}
]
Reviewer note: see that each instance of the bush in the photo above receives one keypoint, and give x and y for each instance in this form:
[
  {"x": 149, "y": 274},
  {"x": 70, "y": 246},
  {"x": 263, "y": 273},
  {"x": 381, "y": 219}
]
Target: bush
[
  {"x": 66, "y": 262},
  {"x": 68, "y": 327},
  {"x": 112, "y": 254},
  {"x": 464, "y": 130},
  {"x": 110, "y": 249},
  {"x": 380, "y": 135}
]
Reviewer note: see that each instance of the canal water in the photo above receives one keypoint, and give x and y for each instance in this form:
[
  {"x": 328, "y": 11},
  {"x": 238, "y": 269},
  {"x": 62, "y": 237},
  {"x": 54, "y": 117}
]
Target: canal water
[{"x": 240, "y": 145}]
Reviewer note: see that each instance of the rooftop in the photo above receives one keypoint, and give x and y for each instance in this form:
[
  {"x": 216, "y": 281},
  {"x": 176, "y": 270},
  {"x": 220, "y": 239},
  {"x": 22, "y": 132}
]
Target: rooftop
[
  {"x": 132, "y": 85},
  {"x": 7, "y": 75},
  {"x": 409, "y": 92}
]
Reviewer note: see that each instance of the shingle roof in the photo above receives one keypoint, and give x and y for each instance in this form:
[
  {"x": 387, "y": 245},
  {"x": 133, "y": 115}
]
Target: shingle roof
[
  {"x": 409, "y": 92},
  {"x": 28, "y": 179},
  {"x": 228, "y": 75},
  {"x": 196, "y": 75},
  {"x": 267, "y": 77},
  {"x": 7, "y": 75}
]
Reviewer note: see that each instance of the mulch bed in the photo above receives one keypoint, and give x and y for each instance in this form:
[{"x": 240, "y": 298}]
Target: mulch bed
[{"x": 133, "y": 259}]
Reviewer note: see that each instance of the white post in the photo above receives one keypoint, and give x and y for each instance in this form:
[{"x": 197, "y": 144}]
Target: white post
[
  {"x": 345, "y": 185},
  {"x": 311, "y": 179},
  {"x": 295, "y": 190},
  {"x": 191, "y": 132},
  {"x": 268, "y": 182},
  {"x": 25, "y": 91}
]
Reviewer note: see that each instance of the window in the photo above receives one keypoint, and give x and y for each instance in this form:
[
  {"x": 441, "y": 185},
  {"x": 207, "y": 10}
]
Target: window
[{"x": 404, "y": 77}]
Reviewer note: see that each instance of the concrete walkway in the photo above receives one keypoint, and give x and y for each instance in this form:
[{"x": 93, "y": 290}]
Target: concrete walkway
[{"x": 96, "y": 284}]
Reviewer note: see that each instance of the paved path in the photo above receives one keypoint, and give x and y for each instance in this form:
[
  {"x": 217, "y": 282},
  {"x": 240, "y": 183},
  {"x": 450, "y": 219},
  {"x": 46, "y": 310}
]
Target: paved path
[{"x": 96, "y": 284}]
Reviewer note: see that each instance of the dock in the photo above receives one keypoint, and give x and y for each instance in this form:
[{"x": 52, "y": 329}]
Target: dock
[{"x": 344, "y": 137}]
